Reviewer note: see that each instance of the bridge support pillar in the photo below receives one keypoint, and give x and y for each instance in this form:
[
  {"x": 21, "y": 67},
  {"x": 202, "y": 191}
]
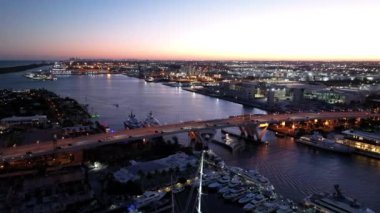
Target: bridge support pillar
[
  {"x": 250, "y": 132},
  {"x": 201, "y": 138}
]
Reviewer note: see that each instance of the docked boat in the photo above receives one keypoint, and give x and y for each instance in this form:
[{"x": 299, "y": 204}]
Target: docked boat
[
  {"x": 224, "y": 179},
  {"x": 316, "y": 140},
  {"x": 231, "y": 195},
  {"x": 235, "y": 181},
  {"x": 59, "y": 69},
  {"x": 177, "y": 190},
  {"x": 262, "y": 179},
  {"x": 335, "y": 202},
  {"x": 132, "y": 122},
  {"x": 271, "y": 206},
  {"x": 237, "y": 198},
  {"x": 253, "y": 176},
  {"x": 279, "y": 135},
  {"x": 248, "y": 207},
  {"x": 149, "y": 79},
  {"x": 247, "y": 198},
  {"x": 224, "y": 190},
  {"x": 43, "y": 76},
  {"x": 150, "y": 120},
  {"x": 215, "y": 186},
  {"x": 147, "y": 198}
]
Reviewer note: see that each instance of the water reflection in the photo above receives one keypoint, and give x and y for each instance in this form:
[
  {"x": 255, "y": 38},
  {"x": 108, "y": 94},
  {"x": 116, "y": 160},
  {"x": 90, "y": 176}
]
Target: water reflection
[{"x": 294, "y": 169}]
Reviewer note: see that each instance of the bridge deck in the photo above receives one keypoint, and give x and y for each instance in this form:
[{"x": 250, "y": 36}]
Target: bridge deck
[{"x": 73, "y": 144}]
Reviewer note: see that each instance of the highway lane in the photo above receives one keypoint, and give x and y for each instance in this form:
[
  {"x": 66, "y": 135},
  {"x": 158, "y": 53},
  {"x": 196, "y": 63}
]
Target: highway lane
[{"x": 91, "y": 141}]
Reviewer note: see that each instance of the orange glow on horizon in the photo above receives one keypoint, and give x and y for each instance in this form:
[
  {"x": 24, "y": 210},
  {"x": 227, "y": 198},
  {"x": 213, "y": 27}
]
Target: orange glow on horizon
[{"x": 252, "y": 30}]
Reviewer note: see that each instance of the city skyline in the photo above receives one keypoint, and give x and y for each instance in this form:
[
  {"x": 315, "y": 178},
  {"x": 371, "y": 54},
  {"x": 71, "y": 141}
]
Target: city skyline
[{"x": 190, "y": 30}]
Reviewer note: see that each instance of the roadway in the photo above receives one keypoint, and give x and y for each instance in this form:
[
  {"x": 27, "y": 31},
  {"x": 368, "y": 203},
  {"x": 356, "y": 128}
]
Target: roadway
[{"x": 92, "y": 141}]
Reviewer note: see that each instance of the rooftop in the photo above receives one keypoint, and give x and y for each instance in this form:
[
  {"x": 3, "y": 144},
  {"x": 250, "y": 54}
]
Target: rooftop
[{"x": 366, "y": 135}]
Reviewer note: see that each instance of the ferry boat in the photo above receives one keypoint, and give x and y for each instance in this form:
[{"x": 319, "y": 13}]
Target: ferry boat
[
  {"x": 150, "y": 120},
  {"x": 316, "y": 140},
  {"x": 335, "y": 202},
  {"x": 132, "y": 122}
]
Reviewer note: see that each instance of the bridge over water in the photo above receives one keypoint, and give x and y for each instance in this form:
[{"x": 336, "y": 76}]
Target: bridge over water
[{"x": 96, "y": 140}]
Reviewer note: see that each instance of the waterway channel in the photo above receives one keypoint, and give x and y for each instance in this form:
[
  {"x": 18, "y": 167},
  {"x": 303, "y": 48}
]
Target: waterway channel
[{"x": 294, "y": 170}]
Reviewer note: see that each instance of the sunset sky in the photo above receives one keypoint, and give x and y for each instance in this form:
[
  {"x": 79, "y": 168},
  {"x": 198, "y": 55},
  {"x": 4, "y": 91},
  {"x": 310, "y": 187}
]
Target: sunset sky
[{"x": 190, "y": 29}]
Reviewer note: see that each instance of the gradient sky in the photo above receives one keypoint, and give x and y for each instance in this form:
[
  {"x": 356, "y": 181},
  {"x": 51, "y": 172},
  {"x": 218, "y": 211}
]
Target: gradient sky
[{"x": 190, "y": 29}]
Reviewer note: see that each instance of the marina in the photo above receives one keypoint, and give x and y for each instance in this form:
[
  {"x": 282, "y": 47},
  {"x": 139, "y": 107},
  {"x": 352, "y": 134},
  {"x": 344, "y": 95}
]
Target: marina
[
  {"x": 193, "y": 106},
  {"x": 246, "y": 190},
  {"x": 288, "y": 166},
  {"x": 335, "y": 202}
]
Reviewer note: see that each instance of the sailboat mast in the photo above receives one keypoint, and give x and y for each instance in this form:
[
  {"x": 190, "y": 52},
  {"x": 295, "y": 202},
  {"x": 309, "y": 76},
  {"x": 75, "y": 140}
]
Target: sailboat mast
[
  {"x": 200, "y": 185},
  {"x": 171, "y": 181}
]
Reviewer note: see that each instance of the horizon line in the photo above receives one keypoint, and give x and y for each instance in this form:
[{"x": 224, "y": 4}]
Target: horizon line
[{"x": 211, "y": 60}]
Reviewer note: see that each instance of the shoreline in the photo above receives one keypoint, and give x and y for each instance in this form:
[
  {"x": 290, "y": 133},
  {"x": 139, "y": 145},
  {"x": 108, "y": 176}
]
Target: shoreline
[
  {"x": 14, "y": 69},
  {"x": 232, "y": 100},
  {"x": 237, "y": 101}
]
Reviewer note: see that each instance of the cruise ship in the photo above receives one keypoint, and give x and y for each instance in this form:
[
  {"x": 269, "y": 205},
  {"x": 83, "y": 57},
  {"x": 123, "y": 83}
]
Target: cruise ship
[
  {"x": 59, "y": 69},
  {"x": 335, "y": 202},
  {"x": 132, "y": 122},
  {"x": 316, "y": 140},
  {"x": 150, "y": 120}
]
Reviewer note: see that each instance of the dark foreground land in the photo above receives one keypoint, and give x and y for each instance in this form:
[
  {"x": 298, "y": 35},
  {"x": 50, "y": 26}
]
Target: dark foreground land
[{"x": 4, "y": 70}]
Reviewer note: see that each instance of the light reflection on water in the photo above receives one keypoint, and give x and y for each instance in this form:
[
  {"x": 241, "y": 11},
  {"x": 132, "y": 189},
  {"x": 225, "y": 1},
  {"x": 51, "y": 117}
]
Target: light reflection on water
[{"x": 294, "y": 169}]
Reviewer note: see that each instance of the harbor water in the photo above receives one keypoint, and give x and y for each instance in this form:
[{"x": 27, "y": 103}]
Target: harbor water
[{"x": 294, "y": 169}]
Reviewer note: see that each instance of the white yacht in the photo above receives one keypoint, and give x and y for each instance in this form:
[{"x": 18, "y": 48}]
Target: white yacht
[
  {"x": 318, "y": 141},
  {"x": 148, "y": 197},
  {"x": 150, "y": 120},
  {"x": 132, "y": 122},
  {"x": 215, "y": 185},
  {"x": 40, "y": 75},
  {"x": 223, "y": 190},
  {"x": 335, "y": 202},
  {"x": 247, "y": 198},
  {"x": 59, "y": 69},
  {"x": 149, "y": 79},
  {"x": 249, "y": 207}
]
